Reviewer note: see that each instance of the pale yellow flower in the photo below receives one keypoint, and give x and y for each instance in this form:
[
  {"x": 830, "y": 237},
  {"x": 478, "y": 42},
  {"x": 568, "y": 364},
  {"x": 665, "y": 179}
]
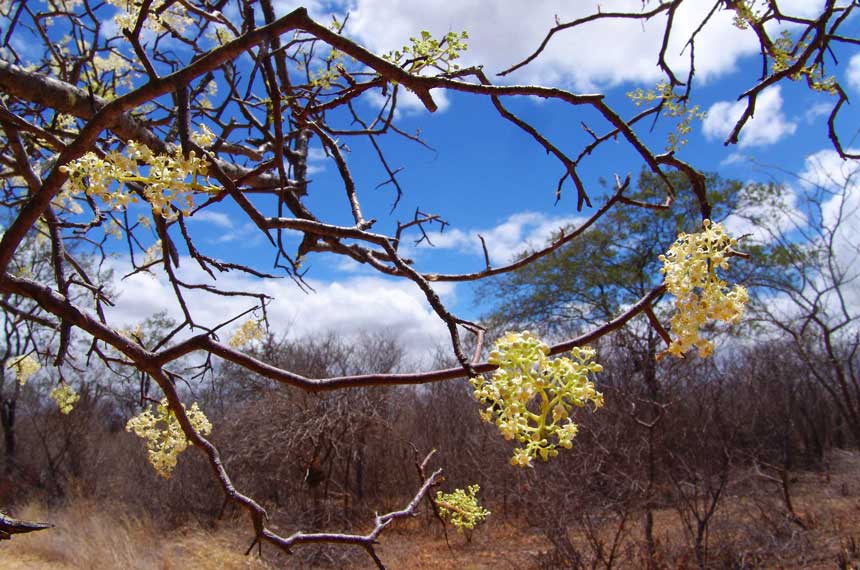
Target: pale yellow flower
[
  {"x": 164, "y": 437},
  {"x": 690, "y": 268},
  {"x": 25, "y": 366},
  {"x": 169, "y": 181},
  {"x": 250, "y": 330},
  {"x": 526, "y": 374},
  {"x": 461, "y": 507},
  {"x": 65, "y": 397},
  {"x": 203, "y": 137}
]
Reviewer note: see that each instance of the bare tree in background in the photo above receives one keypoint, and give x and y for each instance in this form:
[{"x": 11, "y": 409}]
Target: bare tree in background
[
  {"x": 809, "y": 250},
  {"x": 80, "y": 102}
]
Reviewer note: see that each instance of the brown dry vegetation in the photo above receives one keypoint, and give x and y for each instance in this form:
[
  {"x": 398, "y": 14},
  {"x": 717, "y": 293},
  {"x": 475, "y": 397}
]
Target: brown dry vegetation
[
  {"x": 750, "y": 530},
  {"x": 694, "y": 450},
  {"x": 95, "y": 536}
]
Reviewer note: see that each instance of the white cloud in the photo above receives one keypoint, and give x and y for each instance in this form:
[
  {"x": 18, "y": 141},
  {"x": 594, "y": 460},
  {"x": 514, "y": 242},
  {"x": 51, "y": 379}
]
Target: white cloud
[
  {"x": 826, "y": 169},
  {"x": 822, "y": 182},
  {"x": 521, "y": 231},
  {"x": 762, "y": 223},
  {"x": 818, "y": 110},
  {"x": 852, "y": 73},
  {"x": 350, "y": 306},
  {"x": 316, "y": 160},
  {"x": 767, "y": 126},
  {"x": 598, "y": 54},
  {"x": 734, "y": 158},
  {"x": 804, "y": 8},
  {"x": 841, "y": 215},
  {"x": 218, "y": 219},
  {"x": 407, "y": 102},
  {"x": 840, "y": 211},
  {"x": 830, "y": 193}
]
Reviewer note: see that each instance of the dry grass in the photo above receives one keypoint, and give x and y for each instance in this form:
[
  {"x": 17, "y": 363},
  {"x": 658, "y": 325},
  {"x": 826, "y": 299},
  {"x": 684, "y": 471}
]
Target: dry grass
[
  {"x": 748, "y": 533},
  {"x": 102, "y": 537}
]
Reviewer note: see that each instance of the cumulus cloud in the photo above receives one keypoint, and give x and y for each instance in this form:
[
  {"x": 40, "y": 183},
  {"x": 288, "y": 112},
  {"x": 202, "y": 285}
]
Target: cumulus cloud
[
  {"x": 316, "y": 160},
  {"x": 767, "y": 126},
  {"x": 734, "y": 158},
  {"x": 218, "y": 219},
  {"x": 817, "y": 111},
  {"x": 517, "y": 233},
  {"x": 353, "y": 305},
  {"x": 829, "y": 195},
  {"x": 597, "y": 55},
  {"x": 407, "y": 102},
  {"x": 762, "y": 223},
  {"x": 826, "y": 182},
  {"x": 803, "y": 8},
  {"x": 840, "y": 180},
  {"x": 826, "y": 169},
  {"x": 840, "y": 213},
  {"x": 852, "y": 73}
]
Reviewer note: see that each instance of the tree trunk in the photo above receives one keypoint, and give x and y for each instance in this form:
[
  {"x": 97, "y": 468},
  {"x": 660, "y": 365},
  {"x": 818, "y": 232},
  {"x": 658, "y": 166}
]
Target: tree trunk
[{"x": 7, "y": 419}]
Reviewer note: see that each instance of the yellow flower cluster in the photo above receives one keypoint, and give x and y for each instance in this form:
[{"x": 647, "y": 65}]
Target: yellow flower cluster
[
  {"x": 204, "y": 137},
  {"x": 164, "y": 177},
  {"x": 65, "y": 397},
  {"x": 136, "y": 335},
  {"x": 745, "y": 14},
  {"x": 427, "y": 51},
  {"x": 158, "y": 20},
  {"x": 250, "y": 330},
  {"x": 674, "y": 105},
  {"x": 690, "y": 268},
  {"x": 783, "y": 50},
  {"x": 115, "y": 65},
  {"x": 152, "y": 254},
  {"x": 164, "y": 437},
  {"x": 461, "y": 507},
  {"x": 24, "y": 366},
  {"x": 530, "y": 396}
]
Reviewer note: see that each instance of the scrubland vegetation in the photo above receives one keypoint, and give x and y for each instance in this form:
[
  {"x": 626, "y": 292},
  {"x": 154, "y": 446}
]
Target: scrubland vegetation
[{"x": 734, "y": 462}]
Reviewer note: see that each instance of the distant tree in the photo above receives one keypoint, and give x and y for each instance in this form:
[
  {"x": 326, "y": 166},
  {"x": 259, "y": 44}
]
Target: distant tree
[
  {"x": 26, "y": 326},
  {"x": 809, "y": 269},
  {"x": 126, "y": 118},
  {"x": 611, "y": 265}
]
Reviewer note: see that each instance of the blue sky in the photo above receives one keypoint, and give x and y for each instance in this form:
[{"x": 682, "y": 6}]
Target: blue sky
[{"x": 485, "y": 176}]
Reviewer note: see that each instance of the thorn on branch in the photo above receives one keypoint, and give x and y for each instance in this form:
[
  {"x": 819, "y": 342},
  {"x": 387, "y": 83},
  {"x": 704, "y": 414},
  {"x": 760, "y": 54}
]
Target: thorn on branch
[
  {"x": 487, "y": 264},
  {"x": 10, "y": 526}
]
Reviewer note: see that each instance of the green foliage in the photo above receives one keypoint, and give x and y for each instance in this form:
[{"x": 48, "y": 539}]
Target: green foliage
[
  {"x": 611, "y": 266},
  {"x": 745, "y": 14}
]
